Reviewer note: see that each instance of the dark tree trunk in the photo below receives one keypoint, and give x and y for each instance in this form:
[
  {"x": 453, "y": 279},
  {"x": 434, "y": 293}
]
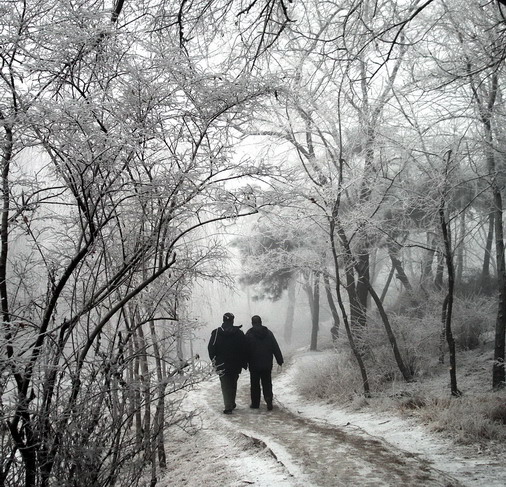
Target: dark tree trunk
[
  {"x": 315, "y": 318},
  {"x": 312, "y": 289},
  {"x": 451, "y": 284},
  {"x": 391, "y": 336},
  {"x": 21, "y": 425},
  {"x": 387, "y": 284},
  {"x": 355, "y": 350},
  {"x": 393, "y": 252},
  {"x": 460, "y": 249},
  {"x": 333, "y": 309},
  {"x": 498, "y": 370},
  {"x": 442, "y": 338},
  {"x": 485, "y": 271},
  {"x": 159, "y": 421},
  {"x": 4, "y": 244},
  {"x": 406, "y": 373},
  {"x": 362, "y": 293}
]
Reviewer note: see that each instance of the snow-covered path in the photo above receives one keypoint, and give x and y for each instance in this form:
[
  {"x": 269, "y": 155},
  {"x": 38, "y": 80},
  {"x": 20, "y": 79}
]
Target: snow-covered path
[
  {"x": 325, "y": 455},
  {"x": 305, "y": 443}
]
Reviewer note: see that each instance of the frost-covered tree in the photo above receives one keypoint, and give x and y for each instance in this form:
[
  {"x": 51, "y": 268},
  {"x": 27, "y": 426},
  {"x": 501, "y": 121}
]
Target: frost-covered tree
[{"x": 116, "y": 152}]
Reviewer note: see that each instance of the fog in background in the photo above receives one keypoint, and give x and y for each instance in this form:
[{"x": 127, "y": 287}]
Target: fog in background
[{"x": 211, "y": 300}]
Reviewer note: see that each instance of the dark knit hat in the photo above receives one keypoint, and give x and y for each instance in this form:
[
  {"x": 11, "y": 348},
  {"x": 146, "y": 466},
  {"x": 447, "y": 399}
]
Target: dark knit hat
[
  {"x": 228, "y": 317},
  {"x": 256, "y": 320}
]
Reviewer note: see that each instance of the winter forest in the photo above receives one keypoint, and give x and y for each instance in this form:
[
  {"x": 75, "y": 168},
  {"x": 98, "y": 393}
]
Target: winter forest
[{"x": 342, "y": 161}]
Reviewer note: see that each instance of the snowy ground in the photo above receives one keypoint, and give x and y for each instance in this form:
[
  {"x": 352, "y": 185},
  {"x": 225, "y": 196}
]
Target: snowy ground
[{"x": 314, "y": 444}]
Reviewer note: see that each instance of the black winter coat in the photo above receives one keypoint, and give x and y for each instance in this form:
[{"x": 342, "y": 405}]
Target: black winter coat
[
  {"x": 227, "y": 347},
  {"x": 262, "y": 347}
]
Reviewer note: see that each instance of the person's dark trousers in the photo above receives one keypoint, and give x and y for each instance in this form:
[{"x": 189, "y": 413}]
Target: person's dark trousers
[
  {"x": 258, "y": 377},
  {"x": 229, "y": 390}
]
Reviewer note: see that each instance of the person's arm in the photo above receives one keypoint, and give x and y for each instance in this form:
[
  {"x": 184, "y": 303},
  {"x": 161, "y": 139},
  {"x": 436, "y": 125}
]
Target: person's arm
[
  {"x": 211, "y": 347},
  {"x": 245, "y": 351},
  {"x": 276, "y": 350}
]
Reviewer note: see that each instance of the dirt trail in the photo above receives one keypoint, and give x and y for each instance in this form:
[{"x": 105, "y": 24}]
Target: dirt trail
[{"x": 324, "y": 455}]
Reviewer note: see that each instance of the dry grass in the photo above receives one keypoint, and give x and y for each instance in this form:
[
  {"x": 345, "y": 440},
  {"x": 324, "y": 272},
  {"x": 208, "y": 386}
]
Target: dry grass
[
  {"x": 478, "y": 416},
  {"x": 466, "y": 419},
  {"x": 329, "y": 379}
]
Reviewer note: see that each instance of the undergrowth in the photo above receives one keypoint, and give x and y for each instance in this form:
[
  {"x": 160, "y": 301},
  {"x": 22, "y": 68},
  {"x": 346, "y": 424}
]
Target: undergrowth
[
  {"x": 466, "y": 419},
  {"x": 329, "y": 378},
  {"x": 476, "y": 417}
]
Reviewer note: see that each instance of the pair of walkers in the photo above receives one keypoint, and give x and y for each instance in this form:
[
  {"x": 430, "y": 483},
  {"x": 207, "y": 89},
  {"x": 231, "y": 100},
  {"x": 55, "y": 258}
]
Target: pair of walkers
[{"x": 232, "y": 351}]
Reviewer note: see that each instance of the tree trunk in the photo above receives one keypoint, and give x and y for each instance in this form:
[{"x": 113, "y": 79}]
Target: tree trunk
[
  {"x": 451, "y": 284},
  {"x": 349, "y": 332},
  {"x": 460, "y": 249},
  {"x": 387, "y": 284},
  {"x": 137, "y": 399},
  {"x": 4, "y": 238},
  {"x": 334, "y": 331},
  {"x": 290, "y": 311},
  {"x": 485, "y": 271},
  {"x": 145, "y": 383},
  {"x": 393, "y": 252},
  {"x": 26, "y": 445},
  {"x": 442, "y": 336},
  {"x": 130, "y": 381},
  {"x": 498, "y": 370},
  {"x": 362, "y": 292},
  {"x": 159, "y": 420},
  {"x": 391, "y": 336},
  {"x": 406, "y": 373},
  {"x": 316, "y": 315}
]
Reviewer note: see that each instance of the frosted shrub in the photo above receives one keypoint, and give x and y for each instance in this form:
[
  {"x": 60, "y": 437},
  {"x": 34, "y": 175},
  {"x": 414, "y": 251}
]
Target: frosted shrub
[
  {"x": 498, "y": 413},
  {"x": 418, "y": 327},
  {"x": 469, "y": 419},
  {"x": 418, "y": 338},
  {"x": 473, "y": 317},
  {"x": 329, "y": 378},
  {"x": 414, "y": 402}
]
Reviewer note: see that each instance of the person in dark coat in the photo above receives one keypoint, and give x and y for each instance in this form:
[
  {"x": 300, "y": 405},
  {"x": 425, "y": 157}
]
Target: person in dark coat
[
  {"x": 228, "y": 350},
  {"x": 262, "y": 348}
]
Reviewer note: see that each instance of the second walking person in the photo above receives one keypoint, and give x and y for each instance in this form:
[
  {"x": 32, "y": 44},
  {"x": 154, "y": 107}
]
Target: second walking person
[{"x": 262, "y": 348}]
